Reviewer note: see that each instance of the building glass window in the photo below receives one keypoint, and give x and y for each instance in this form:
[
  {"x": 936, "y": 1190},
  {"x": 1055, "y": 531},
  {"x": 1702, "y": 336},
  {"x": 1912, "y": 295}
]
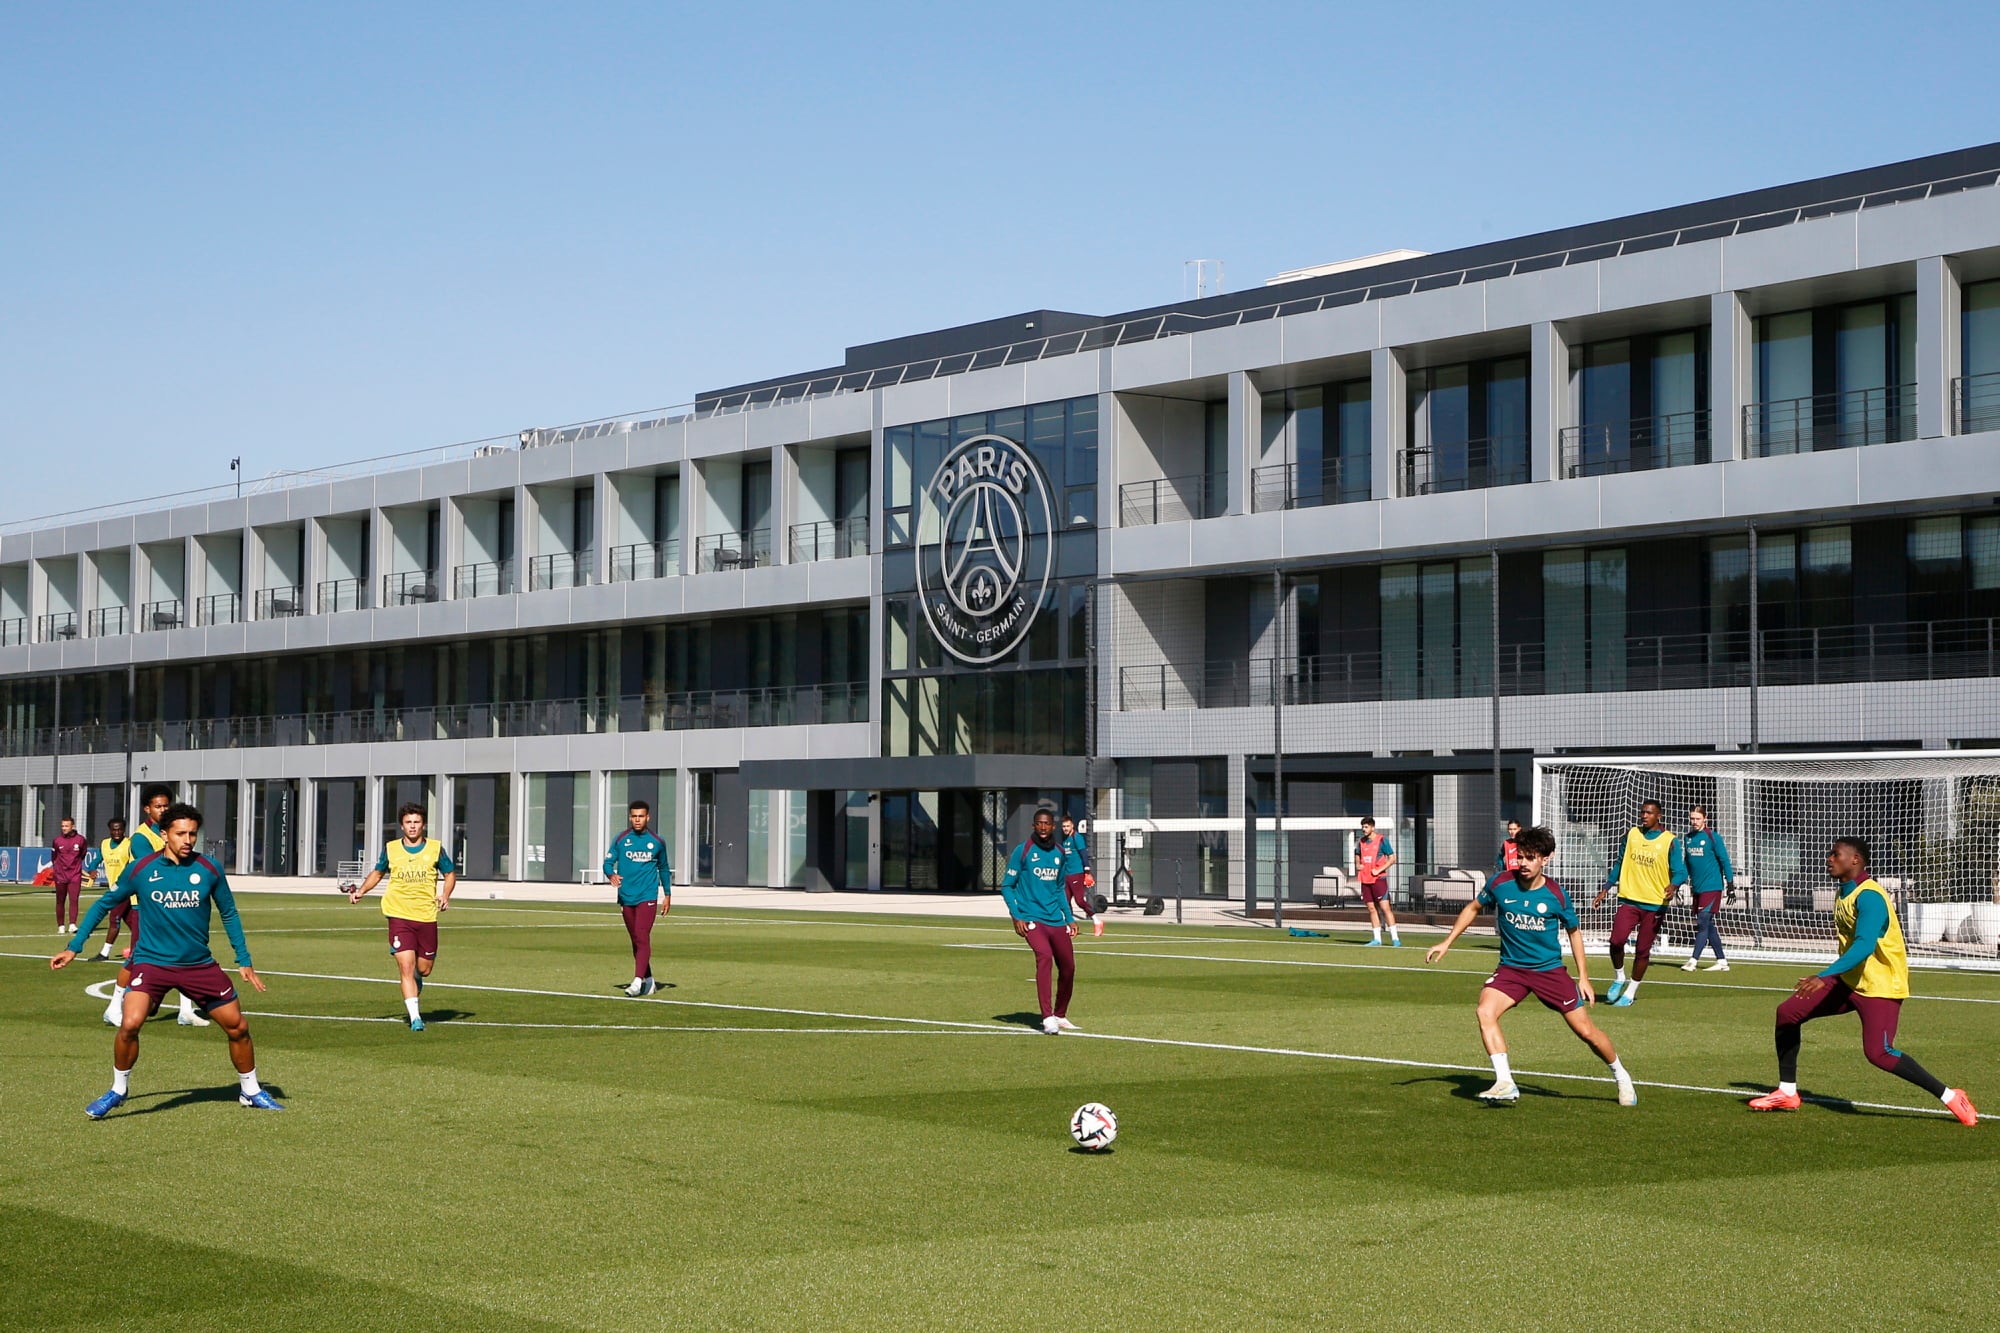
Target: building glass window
[
  {"x": 558, "y": 827},
  {"x": 482, "y": 825},
  {"x": 1468, "y": 426}
]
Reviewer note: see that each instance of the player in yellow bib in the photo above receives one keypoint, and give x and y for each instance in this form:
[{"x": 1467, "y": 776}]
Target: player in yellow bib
[
  {"x": 1870, "y": 978},
  {"x": 1648, "y": 871},
  {"x": 413, "y": 865},
  {"x": 109, "y": 859},
  {"x": 154, "y": 798}
]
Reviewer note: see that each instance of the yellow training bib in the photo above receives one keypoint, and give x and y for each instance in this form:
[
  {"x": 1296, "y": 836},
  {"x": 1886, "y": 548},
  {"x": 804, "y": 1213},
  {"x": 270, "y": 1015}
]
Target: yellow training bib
[
  {"x": 410, "y": 891},
  {"x": 1646, "y": 872},
  {"x": 1884, "y": 974}
]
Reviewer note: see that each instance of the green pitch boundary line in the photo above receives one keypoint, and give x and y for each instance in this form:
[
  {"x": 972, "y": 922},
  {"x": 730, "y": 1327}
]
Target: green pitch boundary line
[
  {"x": 1439, "y": 971},
  {"x": 1182, "y": 1043}
]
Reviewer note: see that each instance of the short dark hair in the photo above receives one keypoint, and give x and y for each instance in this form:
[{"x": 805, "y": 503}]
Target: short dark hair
[
  {"x": 152, "y": 791},
  {"x": 1857, "y": 844},
  {"x": 1367, "y": 821},
  {"x": 638, "y": 805},
  {"x": 177, "y": 812},
  {"x": 411, "y": 808},
  {"x": 1536, "y": 841},
  {"x": 1701, "y": 810},
  {"x": 1045, "y": 810},
  {"x": 1655, "y": 804},
  {"x": 114, "y": 820}
]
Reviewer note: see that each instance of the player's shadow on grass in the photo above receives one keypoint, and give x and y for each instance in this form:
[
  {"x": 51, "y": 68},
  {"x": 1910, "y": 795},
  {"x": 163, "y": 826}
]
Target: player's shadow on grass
[
  {"x": 1021, "y": 1019},
  {"x": 179, "y": 1097},
  {"x": 1467, "y": 1087},
  {"x": 1839, "y": 1105},
  {"x": 448, "y": 1015}
]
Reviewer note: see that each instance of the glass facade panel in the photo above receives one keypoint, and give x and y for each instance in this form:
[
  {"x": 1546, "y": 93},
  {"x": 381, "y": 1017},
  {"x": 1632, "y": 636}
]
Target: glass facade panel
[
  {"x": 1400, "y": 621},
  {"x": 339, "y": 823},
  {"x": 1607, "y": 620},
  {"x": 1439, "y": 612},
  {"x": 1564, "y": 623},
  {"x": 274, "y": 819},
  {"x": 482, "y": 825},
  {"x": 1475, "y": 627},
  {"x": 558, "y": 827},
  {"x": 1979, "y": 327}
]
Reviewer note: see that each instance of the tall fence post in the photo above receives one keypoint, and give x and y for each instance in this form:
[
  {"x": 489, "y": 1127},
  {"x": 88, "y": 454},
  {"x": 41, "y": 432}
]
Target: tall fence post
[
  {"x": 1279, "y": 877},
  {"x": 1756, "y": 639},
  {"x": 1499, "y": 814}
]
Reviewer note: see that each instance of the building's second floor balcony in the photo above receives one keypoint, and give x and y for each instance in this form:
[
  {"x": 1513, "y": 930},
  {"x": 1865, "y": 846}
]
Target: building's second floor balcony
[
  {"x": 57, "y": 626},
  {"x": 336, "y": 595},
  {"x": 488, "y": 578},
  {"x": 1643, "y": 444},
  {"x": 1844, "y": 420},
  {"x": 717, "y": 552},
  {"x": 1172, "y": 499},
  {"x": 1465, "y": 465},
  {"x": 561, "y": 569},
  {"x": 1975, "y": 403},
  {"x": 693, "y": 710},
  {"x": 1331, "y": 481},
  {"x": 107, "y": 620},
  {"x": 826, "y": 539},
  {"x": 13, "y": 630},
  {"x": 409, "y": 587},
  {"x": 646, "y": 560},
  {"x": 278, "y": 603},
  {"x": 1799, "y": 655},
  {"x": 221, "y": 608}
]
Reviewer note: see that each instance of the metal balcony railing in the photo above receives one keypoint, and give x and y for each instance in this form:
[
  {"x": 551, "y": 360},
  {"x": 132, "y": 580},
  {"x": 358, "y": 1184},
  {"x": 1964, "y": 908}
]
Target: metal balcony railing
[
  {"x": 56, "y": 625},
  {"x": 1293, "y": 486},
  {"x": 409, "y": 587},
  {"x": 13, "y": 630},
  {"x": 167, "y": 613},
  {"x": 221, "y": 608},
  {"x": 1468, "y": 465},
  {"x": 561, "y": 569},
  {"x": 646, "y": 560},
  {"x": 489, "y": 578},
  {"x": 1643, "y": 444},
  {"x": 690, "y": 710},
  {"x": 718, "y": 551},
  {"x": 335, "y": 595},
  {"x": 278, "y": 603},
  {"x": 1791, "y": 655},
  {"x": 106, "y": 620},
  {"x": 826, "y": 540},
  {"x": 1172, "y": 500},
  {"x": 1975, "y": 403},
  {"x": 1830, "y": 421}
]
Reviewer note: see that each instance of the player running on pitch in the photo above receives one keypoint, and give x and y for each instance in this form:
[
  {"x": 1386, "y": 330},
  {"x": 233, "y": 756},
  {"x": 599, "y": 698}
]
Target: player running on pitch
[
  {"x": 179, "y": 887},
  {"x": 412, "y": 902},
  {"x": 1373, "y": 856},
  {"x": 1647, "y": 873},
  {"x": 1871, "y": 978},
  {"x": 1528, "y": 908},
  {"x": 637, "y": 866},
  {"x": 154, "y": 799},
  {"x": 1078, "y": 879},
  {"x": 1709, "y": 873},
  {"x": 1033, "y": 890}
]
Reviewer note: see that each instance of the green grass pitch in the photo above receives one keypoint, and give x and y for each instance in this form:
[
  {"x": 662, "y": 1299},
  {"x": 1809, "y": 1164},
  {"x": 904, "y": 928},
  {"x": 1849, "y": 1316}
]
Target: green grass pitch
[{"x": 552, "y": 1156}]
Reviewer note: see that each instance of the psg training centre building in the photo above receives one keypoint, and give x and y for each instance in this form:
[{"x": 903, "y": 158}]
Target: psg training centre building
[{"x": 1719, "y": 477}]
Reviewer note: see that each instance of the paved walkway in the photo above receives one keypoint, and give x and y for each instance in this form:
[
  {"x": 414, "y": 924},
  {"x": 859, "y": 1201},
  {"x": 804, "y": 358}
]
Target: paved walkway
[{"x": 986, "y": 906}]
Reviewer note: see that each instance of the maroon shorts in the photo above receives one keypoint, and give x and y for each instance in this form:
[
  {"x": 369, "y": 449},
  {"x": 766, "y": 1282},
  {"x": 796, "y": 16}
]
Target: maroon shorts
[
  {"x": 418, "y": 937},
  {"x": 1707, "y": 902},
  {"x": 206, "y": 984},
  {"x": 1630, "y": 917},
  {"x": 1555, "y": 988},
  {"x": 1374, "y": 890}
]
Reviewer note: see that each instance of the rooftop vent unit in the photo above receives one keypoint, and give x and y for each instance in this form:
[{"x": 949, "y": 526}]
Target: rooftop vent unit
[
  {"x": 1344, "y": 266},
  {"x": 492, "y": 450}
]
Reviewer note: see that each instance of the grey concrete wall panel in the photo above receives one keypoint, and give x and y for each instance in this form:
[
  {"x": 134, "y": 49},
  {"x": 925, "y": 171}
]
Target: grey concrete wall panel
[
  {"x": 650, "y": 599},
  {"x": 1428, "y": 520},
  {"x": 923, "y": 400},
  {"x": 495, "y": 472},
  {"x": 655, "y": 445},
  {"x": 443, "y": 479},
  {"x": 350, "y": 497},
  {"x": 1794, "y": 483},
  {"x": 548, "y": 463},
  {"x": 601, "y": 453},
  {"x": 1061, "y": 377},
  {"x": 711, "y": 749},
  {"x": 988, "y": 390},
  {"x": 490, "y": 615},
  {"x": 1237, "y": 539},
  {"x": 1668, "y": 497},
  {"x": 1788, "y": 254},
  {"x": 715, "y": 592},
  {"x": 848, "y": 580},
  {"x": 404, "y": 487},
  {"x": 1159, "y": 546},
  {"x": 264, "y": 637},
  {"x": 269, "y": 509},
  {"x": 441, "y": 620},
  {"x": 489, "y": 756},
  {"x": 777, "y": 585},
  {"x": 310, "y": 502},
  {"x": 543, "y": 754},
  {"x": 1533, "y": 298},
  {"x": 1151, "y": 364},
  {"x": 842, "y": 414},
  {"x": 783, "y": 423},
  {"x": 1341, "y": 331},
  {"x": 391, "y": 624},
  {"x": 225, "y": 640},
  {"x": 352, "y": 627},
  {"x": 714, "y": 437},
  {"x": 1947, "y": 225},
  {"x": 1918, "y": 470},
  {"x": 547, "y": 609},
  {"x": 1659, "y": 276},
  {"x": 114, "y": 532},
  {"x": 1242, "y": 347},
  {"x": 1333, "y": 530},
  {"x": 1448, "y": 312},
  {"x": 597, "y": 604}
]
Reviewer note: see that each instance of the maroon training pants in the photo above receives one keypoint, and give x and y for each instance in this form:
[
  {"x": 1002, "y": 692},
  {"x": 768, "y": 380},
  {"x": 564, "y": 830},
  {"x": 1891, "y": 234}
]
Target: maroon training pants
[
  {"x": 1054, "y": 950},
  {"x": 639, "y": 925}
]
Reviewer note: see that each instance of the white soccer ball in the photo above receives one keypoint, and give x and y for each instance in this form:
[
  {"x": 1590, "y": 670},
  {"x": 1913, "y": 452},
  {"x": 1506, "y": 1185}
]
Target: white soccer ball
[{"x": 1093, "y": 1126}]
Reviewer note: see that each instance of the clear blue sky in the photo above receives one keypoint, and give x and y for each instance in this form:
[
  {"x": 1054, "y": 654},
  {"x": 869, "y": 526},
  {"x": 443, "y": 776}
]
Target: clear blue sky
[{"x": 309, "y": 238}]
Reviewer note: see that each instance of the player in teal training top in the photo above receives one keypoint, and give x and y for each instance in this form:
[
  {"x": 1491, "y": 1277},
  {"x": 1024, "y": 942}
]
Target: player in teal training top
[
  {"x": 1036, "y": 899},
  {"x": 177, "y": 888},
  {"x": 1529, "y": 910},
  {"x": 1709, "y": 874},
  {"x": 636, "y": 863}
]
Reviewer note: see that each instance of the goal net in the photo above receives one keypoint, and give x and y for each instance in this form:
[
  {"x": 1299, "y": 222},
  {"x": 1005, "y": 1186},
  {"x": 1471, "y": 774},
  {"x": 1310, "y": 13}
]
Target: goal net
[{"x": 1931, "y": 820}]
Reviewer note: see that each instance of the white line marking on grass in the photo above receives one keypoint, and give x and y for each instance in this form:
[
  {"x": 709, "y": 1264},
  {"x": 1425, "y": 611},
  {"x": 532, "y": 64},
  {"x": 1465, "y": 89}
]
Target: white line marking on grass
[
  {"x": 933, "y": 1023},
  {"x": 1435, "y": 970},
  {"x": 654, "y": 1027}
]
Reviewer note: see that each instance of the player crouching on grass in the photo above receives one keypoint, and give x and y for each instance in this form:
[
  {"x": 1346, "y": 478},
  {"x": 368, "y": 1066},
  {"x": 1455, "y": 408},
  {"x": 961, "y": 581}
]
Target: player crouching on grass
[
  {"x": 1528, "y": 907},
  {"x": 412, "y": 864},
  {"x": 637, "y": 866},
  {"x": 1033, "y": 890},
  {"x": 178, "y": 887},
  {"x": 1871, "y": 977}
]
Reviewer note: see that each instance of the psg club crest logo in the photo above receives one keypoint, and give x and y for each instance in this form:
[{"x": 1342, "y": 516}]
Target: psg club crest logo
[{"x": 986, "y": 555}]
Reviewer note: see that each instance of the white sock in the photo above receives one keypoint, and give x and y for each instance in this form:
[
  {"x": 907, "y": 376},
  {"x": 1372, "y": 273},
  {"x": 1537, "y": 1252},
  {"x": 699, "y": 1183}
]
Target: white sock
[
  {"x": 1394, "y": 936},
  {"x": 1502, "y": 1070},
  {"x": 411, "y": 1005},
  {"x": 1376, "y": 931},
  {"x": 1632, "y": 989},
  {"x": 251, "y": 1087},
  {"x": 1618, "y": 974},
  {"x": 638, "y": 983},
  {"x": 121, "y": 1080},
  {"x": 1789, "y": 1089},
  {"x": 187, "y": 1008},
  {"x": 117, "y": 994},
  {"x": 1947, "y": 1095},
  {"x": 104, "y": 952},
  {"x": 1618, "y": 1069}
]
